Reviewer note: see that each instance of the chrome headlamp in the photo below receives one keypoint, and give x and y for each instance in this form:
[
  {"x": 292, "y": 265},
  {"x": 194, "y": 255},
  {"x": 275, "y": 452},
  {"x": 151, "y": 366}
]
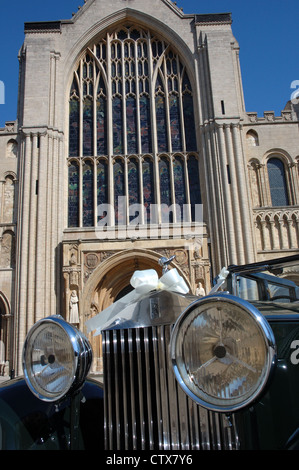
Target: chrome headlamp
[
  {"x": 56, "y": 359},
  {"x": 222, "y": 351}
]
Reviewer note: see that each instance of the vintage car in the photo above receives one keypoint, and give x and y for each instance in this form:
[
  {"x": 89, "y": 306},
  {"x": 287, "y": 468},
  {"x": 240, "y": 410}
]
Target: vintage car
[{"x": 181, "y": 373}]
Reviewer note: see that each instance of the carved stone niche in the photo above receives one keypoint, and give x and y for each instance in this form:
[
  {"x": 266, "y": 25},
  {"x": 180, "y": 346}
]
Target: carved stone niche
[
  {"x": 7, "y": 249},
  {"x": 199, "y": 278},
  {"x": 73, "y": 269},
  {"x": 199, "y": 272}
]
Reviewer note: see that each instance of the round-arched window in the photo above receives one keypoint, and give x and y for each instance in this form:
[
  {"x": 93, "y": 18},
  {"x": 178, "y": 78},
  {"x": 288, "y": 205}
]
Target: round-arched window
[{"x": 277, "y": 182}]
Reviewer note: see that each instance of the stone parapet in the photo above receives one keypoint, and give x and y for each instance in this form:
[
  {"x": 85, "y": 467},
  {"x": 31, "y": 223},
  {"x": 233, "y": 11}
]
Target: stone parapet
[
  {"x": 10, "y": 128},
  {"x": 270, "y": 117}
]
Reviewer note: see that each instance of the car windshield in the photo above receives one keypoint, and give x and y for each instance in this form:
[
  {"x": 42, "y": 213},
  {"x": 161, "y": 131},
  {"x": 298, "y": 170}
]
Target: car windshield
[
  {"x": 269, "y": 281},
  {"x": 263, "y": 286}
]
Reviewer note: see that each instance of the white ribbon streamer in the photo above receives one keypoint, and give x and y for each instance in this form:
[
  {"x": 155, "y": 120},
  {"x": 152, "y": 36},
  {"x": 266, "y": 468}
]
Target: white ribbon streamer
[
  {"x": 143, "y": 282},
  {"x": 221, "y": 278}
]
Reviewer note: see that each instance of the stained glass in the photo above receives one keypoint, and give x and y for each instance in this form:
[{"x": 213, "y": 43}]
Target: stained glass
[
  {"x": 122, "y": 34},
  {"x": 101, "y": 126},
  {"x": 179, "y": 182},
  {"x": 115, "y": 50},
  {"x": 161, "y": 124},
  {"x": 102, "y": 185},
  {"x": 133, "y": 109},
  {"x": 73, "y": 195},
  {"x": 194, "y": 184},
  {"x": 175, "y": 126},
  {"x": 102, "y": 182},
  {"x": 189, "y": 123},
  {"x": 74, "y": 128},
  {"x": 119, "y": 190},
  {"x": 117, "y": 126},
  {"x": 142, "y": 49},
  {"x": 165, "y": 190},
  {"x": 135, "y": 34},
  {"x": 133, "y": 181},
  {"x": 131, "y": 126},
  {"x": 88, "y": 202},
  {"x": 148, "y": 185},
  {"x": 145, "y": 124},
  {"x": 277, "y": 182},
  {"x": 157, "y": 48},
  {"x": 87, "y": 127}
]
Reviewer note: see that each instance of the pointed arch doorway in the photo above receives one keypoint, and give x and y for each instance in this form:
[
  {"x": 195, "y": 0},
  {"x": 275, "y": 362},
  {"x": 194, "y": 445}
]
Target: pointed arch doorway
[{"x": 111, "y": 281}]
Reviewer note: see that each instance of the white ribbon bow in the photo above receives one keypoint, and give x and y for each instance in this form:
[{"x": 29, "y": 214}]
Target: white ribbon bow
[{"x": 143, "y": 283}]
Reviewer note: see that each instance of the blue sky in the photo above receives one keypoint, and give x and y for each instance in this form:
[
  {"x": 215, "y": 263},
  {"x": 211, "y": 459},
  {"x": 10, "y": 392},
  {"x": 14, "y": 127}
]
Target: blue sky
[{"x": 267, "y": 32}]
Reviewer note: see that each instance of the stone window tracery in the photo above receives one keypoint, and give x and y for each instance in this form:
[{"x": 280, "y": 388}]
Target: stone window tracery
[{"x": 131, "y": 116}]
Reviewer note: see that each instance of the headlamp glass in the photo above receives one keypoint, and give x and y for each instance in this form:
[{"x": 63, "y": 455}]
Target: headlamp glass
[
  {"x": 53, "y": 357},
  {"x": 222, "y": 351}
]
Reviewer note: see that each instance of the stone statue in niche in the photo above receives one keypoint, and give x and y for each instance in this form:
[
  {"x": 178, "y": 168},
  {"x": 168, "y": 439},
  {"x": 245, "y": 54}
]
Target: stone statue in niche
[
  {"x": 73, "y": 271},
  {"x": 200, "y": 290},
  {"x": 197, "y": 249},
  {"x": 73, "y": 260},
  {"x": 74, "y": 308},
  {"x": 12, "y": 149},
  {"x": 7, "y": 250}
]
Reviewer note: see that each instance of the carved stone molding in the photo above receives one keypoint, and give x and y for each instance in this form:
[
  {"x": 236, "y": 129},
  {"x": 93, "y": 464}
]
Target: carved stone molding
[
  {"x": 93, "y": 259},
  {"x": 199, "y": 272}
]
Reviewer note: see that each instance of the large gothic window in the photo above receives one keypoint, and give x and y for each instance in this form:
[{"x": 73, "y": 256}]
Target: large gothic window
[{"x": 131, "y": 128}]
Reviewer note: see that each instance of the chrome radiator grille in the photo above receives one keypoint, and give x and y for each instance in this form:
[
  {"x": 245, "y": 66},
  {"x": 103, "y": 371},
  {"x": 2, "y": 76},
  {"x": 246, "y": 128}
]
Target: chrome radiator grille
[{"x": 144, "y": 406}]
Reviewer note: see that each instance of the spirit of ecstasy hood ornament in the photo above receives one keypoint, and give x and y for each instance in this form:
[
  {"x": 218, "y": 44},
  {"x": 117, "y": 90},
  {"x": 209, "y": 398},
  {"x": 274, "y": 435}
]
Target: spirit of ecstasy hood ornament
[{"x": 164, "y": 262}]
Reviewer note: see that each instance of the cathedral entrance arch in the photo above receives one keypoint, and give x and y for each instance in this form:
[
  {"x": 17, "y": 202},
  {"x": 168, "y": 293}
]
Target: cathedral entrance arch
[{"x": 111, "y": 281}]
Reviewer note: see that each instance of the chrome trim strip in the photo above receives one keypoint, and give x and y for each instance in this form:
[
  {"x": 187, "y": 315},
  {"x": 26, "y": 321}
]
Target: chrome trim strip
[
  {"x": 204, "y": 428},
  {"x": 107, "y": 398},
  {"x": 140, "y": 389},
  {"x": 164, "y": 389},
  {"x": 158, "y": 388},
  {"x": 116, "y": 387},
  {"x": 132, "y": 389},
  {"x": 194, "y": 426},
  {"x": 174, "y": 425},
  {"x": 124, "y": 387},
  {"x": 148, "y": 371},
  {"x": 282, "y": 318}
]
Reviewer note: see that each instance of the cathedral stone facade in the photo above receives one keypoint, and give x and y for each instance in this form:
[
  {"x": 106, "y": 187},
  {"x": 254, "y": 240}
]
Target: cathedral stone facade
[{"x": 132, "y": 142}]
